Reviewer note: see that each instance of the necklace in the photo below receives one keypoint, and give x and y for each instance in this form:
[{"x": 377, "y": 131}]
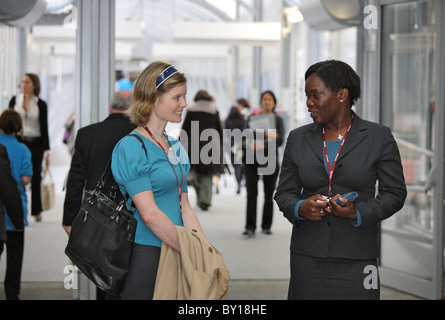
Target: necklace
[
  {"x": 179, "y": 185},
  {"x": 159, "y": 135},
  {"x": 340, "y": 136},
  {"x": 331, "y": 169}
]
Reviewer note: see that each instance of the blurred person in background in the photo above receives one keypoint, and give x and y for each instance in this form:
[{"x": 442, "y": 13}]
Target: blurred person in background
[
  {"x": 204, "y": 114},
  {"x": 34, "y": 113},
  {"x": 21, "y": 168},
  {"x": 235, "y": 120},
  {"x": 243, "y": 107},
  {"x": 268, "y": 103}
]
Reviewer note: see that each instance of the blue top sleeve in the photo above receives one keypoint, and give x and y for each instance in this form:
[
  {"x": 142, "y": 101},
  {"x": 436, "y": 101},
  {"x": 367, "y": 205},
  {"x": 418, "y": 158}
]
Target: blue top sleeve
[{"x": 129, "y": 165}]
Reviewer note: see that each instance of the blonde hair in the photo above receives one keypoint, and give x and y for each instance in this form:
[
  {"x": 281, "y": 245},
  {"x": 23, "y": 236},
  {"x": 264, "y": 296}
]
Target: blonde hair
[{"x": 145, "y": 92}]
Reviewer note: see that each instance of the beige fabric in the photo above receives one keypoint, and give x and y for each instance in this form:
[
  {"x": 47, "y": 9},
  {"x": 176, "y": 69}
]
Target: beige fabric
[
  {"x": 48, "y": 193},
  {"x": 197, "y": 273}
]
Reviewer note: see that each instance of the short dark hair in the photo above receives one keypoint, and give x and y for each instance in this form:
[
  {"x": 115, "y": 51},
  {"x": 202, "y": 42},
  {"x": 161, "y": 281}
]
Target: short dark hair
[
  {"x": 203, "y": 95},
  {"x": 271, "y": 93},
  {"x": 243, "y": 102},
  {"x": 10, "y": 122},
  {"x": 337, "y": 75}
]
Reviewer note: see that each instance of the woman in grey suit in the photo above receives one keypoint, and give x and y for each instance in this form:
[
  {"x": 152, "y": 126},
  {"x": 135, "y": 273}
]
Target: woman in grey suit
[{"x": 334, "y": 248}]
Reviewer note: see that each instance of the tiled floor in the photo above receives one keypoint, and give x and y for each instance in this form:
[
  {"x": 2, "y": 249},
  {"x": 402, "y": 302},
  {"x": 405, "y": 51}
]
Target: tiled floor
[{"x": 238, "y": 290}]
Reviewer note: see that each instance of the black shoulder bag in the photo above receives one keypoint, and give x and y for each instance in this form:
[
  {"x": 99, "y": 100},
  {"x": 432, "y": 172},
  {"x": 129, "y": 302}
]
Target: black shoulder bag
[{"x": 102, "y": 235}]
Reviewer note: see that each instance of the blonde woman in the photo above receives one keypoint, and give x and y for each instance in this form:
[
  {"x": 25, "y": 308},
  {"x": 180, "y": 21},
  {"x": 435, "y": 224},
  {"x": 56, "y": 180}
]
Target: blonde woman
[{"x": 156, "y": 181}]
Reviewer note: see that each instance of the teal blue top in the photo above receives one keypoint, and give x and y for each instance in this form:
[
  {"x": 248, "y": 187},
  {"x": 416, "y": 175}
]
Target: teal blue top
[
  {"x": 135, "y": 172},
  {"x": 21, "y": 165},
  {"x": 332, "y": 147}
]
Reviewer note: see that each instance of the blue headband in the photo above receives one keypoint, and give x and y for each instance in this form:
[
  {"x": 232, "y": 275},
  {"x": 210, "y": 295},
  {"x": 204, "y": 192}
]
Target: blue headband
[{"x": 167, "y": 73}]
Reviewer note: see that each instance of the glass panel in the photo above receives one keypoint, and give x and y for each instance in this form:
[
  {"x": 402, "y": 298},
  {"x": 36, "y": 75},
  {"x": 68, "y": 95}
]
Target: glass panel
[
  {"x": 408, "y": 48},
  {"x": 9, "y": 79}
]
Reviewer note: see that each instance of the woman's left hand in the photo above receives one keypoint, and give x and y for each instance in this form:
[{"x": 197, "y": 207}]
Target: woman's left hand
[{"x": 348, "y": 211}]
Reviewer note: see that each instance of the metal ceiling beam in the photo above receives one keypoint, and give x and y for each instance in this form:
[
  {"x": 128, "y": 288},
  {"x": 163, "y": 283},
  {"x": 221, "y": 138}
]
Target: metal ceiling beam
[
  {"x": 241, "y": 3},
  {"x": 213, "y": 9}
]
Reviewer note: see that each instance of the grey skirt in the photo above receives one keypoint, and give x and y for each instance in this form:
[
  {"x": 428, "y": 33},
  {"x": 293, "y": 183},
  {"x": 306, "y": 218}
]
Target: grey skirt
[{"x": 314, "y": 278}]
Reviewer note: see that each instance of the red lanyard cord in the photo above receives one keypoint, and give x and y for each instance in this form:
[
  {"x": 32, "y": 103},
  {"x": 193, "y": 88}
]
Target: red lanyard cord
[
  {"x": 171, "y": 164},
  {"x": 331, "y": 170}
]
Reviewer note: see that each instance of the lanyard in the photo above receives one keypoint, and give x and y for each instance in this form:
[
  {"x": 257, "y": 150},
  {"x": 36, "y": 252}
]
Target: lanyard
[
  {"x": 177, "y": 180},
  {"x": 331, "y": 170}
]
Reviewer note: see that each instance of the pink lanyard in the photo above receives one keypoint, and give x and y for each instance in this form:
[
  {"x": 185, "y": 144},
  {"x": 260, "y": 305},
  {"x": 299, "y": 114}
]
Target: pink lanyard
[
  {"x": 177, "y": 180},
  {"x": 331, "y": 170}
]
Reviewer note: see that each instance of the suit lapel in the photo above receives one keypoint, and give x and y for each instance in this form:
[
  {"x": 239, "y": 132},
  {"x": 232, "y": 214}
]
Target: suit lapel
[
  {"x": 315, "y": 140},
  {"x": 358, "y": 132},
  {"x": 355, "y": 136}
]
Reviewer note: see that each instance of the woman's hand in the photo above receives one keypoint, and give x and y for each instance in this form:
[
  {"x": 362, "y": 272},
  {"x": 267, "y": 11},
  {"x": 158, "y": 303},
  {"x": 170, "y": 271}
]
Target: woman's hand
[
  {"x": 189, "y": 217},
  {"x": 349, "y": 211},
  {"x": 314, "y": 208}
]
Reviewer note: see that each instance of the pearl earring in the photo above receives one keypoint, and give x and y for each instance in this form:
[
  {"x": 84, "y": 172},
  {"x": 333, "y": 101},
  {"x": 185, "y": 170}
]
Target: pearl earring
[{"x": 341, "y": 100}]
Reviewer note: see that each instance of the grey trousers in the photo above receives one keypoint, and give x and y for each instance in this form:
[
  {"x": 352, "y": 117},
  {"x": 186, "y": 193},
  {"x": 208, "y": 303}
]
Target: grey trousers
[
  {"x": 141, "y": 279},
  {"x": 204, "y": 189}
]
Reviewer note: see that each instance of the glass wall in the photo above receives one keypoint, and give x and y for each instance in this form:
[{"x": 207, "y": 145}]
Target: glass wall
[
  {"x": 9, "y": 78},
  {"x": 408, "y": 106}
]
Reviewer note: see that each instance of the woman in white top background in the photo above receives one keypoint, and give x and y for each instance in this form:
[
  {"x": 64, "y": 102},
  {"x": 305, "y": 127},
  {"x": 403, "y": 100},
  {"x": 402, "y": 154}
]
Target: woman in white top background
[{"x": 34, "y": 113}]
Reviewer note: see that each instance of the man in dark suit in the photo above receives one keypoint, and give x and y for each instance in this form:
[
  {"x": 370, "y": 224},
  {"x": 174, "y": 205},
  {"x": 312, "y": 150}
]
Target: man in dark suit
[
  {"x": 92, "y": 152},
  {"x": 10, "y": 198}
]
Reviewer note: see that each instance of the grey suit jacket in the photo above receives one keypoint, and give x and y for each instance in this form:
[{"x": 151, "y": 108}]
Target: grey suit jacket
[{"x": 369, "y": 155}]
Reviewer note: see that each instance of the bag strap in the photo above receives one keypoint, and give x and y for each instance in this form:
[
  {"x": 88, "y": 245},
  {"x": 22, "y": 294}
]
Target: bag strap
[
  {"x": 100, "y": 183},
  {"x": 140, "y": 140},
  {"x": 46, "y": 172},
  {"x": 133, "y": 206}
]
